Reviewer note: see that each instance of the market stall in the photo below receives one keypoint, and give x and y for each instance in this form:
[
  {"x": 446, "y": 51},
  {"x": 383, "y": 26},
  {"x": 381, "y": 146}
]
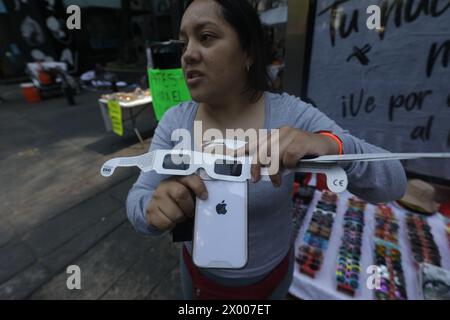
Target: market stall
[
  {"x": 134, "y": 103},
  {"x": 325, "y": 277}
]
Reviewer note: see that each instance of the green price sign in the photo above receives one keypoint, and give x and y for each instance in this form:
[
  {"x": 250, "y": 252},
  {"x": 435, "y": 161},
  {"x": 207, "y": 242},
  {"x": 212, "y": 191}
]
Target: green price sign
[
  {"x": 115, "y": 114},
  {"x": 168, "y": 89}
]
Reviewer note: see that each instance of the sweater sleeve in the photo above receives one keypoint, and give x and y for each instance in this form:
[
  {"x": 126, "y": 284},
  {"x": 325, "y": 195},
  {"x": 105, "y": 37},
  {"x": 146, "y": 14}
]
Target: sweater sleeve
[
  {"x": 376, "y": 182},
  {"x": 142, "y": 191}
]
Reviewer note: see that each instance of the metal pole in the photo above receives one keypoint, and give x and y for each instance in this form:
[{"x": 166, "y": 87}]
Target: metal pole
[{"x": 296, "y": 47}]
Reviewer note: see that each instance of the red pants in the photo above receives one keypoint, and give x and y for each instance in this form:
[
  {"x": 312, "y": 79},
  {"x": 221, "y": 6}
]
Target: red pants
[{"x": 206, "y": 289}]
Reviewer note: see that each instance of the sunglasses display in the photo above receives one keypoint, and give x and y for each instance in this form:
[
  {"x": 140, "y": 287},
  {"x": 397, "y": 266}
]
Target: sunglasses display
[
  {"x": 378, "y": 253},
  {"x": 315, "y": 241},
  {"x": 386, "y": 225},
  {"x": 348, "y": 265},
  {"x": 301, "y": 201},
  {"x": 423, "y": 246},
  {"x": 392, "y": 282},
  {"x": 388, "y": 257},
  {"x": 309, "y": 258}
]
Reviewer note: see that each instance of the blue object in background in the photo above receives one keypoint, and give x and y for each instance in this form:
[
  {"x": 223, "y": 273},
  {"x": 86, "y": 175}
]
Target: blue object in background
[{"x": 2, "y": 7}]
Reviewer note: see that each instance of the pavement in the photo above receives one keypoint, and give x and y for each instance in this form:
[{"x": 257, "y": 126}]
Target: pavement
[{"x": 56, "y": 210}]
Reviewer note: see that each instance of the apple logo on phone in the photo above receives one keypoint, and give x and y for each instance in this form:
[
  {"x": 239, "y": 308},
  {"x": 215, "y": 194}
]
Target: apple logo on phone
[{"x": 221, "y": 208}]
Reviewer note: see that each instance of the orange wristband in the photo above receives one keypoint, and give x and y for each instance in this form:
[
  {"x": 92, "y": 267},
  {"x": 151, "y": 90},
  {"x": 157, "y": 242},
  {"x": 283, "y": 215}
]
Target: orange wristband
[{"x": 335, "y": 138}]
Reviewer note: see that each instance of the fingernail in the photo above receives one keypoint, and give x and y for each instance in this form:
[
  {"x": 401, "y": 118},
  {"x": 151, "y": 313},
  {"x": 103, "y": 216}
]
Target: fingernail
[{"x": 204, "y": 196}]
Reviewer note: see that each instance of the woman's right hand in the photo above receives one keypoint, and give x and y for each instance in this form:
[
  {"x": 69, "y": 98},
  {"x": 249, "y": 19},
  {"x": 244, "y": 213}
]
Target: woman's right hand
[{"x": 173, "y": 201}]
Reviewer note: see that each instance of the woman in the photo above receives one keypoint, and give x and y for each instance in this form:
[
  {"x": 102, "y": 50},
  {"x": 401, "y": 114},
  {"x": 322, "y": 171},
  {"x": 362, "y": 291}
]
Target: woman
[{"x": 225, "y": 73}]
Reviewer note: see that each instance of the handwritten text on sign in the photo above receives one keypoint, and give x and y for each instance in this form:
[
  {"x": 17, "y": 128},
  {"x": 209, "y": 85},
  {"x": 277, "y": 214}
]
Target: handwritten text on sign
[
  {"x": 115, "y": 114},
  {"x": 387, "y": 85},
  {"x": 168, "y": 89}
]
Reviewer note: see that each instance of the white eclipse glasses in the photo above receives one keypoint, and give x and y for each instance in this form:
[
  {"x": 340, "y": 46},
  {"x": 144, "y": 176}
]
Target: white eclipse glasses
[
  {"x": 184, "y": 163},
  {"x": 219, "y": 167},
  {"x": 238, "y": 169}
]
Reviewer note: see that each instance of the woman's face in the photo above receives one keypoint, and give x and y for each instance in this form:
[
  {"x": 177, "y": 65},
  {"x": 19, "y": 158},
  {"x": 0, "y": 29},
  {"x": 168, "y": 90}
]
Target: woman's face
[{"x": 213, "y": 61}]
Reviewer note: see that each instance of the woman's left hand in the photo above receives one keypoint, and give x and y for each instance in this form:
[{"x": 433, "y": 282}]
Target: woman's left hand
[{"x": 293, "y": 145}]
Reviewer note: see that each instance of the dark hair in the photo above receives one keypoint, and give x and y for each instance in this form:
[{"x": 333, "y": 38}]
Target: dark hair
[{"x": 244, "y": 19}]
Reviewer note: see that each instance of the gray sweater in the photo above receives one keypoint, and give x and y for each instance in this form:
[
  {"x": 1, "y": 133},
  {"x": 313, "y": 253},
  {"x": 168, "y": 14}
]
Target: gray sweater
[{"x": 270, "y": 208}]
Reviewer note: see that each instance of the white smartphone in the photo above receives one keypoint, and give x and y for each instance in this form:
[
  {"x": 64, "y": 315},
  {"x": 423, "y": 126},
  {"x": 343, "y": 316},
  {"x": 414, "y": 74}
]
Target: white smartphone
[{"x": 220, "y": 227}]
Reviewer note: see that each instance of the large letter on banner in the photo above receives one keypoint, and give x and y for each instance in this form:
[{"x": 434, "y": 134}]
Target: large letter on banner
[
  {"x": 168, "y": 89},
  {"x": 115, "y": 114}
]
